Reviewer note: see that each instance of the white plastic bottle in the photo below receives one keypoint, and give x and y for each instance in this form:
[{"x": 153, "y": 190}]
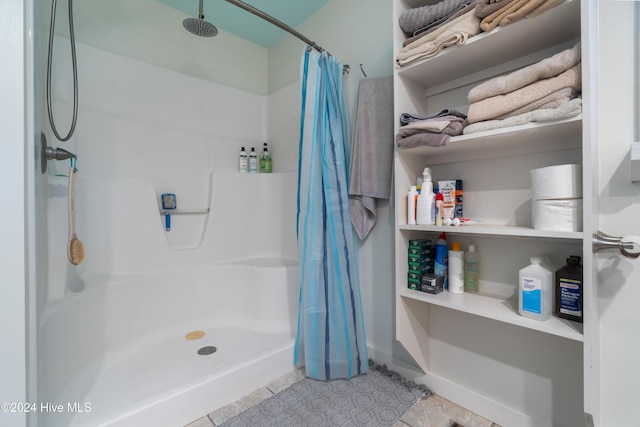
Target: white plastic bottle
[
  {"x": 253, "y": 161},
  {"x": 535, "y": 290},
  {"x": 426, "y": 200},
  {"x": 411, "y": 205},
  {"x": 244, "y": 162},
  {"x": 471, "y": 270},
  {"x": 456, "y": 269}
]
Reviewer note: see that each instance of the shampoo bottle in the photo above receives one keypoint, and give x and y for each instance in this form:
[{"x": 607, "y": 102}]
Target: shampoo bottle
[
  {"x": 569, "y": 290},
  {"x": 411, "y": 205},
  {"x": 244, "y": 162},
  {"x": 455, "y": 269},
  {"x": 425, "y": 200},
  {"x": 253, "y": 161},
  {"x": 471, "y": 270},
  {"x": 534, "y": 286},
  {"x": 441, "y": 258}
]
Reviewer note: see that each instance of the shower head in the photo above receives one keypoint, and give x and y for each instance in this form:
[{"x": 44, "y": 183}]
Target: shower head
[{"x": 199, "y": 26}]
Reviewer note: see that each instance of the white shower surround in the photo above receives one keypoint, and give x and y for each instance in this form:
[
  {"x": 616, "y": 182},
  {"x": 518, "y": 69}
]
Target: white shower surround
[
  {"x": 112, "y": 329},
  {"x": 120, "y": 346}
]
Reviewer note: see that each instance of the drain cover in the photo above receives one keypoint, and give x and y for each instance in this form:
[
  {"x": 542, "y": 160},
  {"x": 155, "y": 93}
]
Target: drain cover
[{"x": 207, "y": 350}]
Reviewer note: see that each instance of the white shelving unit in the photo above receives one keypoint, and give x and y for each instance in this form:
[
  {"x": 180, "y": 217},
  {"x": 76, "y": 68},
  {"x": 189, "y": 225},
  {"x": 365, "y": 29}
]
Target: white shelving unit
[{"x": 475, "y": 349}]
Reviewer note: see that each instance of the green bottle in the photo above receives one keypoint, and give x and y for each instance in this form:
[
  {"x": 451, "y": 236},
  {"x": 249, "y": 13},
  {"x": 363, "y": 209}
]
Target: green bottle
[{"x": 265, "y": 160}]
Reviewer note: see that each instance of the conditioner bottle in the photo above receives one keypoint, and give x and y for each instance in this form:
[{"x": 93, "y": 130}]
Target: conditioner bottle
[
  {"x": 455, "y": 269},
  {"x": 471, "y": 270},
  {"x": 253, "y": 161}
]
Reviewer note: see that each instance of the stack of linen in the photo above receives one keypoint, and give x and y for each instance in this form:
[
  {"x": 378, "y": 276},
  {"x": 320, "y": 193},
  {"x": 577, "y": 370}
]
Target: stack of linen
[
  {"x": 504, "y": 12},
  {"x": 430, "y": 130},
  {"x": 544, "y": 91},
  {"x": 433, "y": 32},
  {"x": 432, "y": 28}
]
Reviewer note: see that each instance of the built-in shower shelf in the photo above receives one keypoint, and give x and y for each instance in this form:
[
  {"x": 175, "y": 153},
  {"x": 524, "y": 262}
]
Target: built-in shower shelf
[{"x": 184, "y": 211}]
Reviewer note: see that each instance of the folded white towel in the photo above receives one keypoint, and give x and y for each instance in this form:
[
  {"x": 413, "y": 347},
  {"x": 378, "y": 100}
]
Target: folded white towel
[
  {"x": 544, "y": 69},
  {"x": 569, "y": 109},
  {"x": 453, "y": 33},
  {"x": 496, "y": 106},
  {"x": 517, "y": 10}
]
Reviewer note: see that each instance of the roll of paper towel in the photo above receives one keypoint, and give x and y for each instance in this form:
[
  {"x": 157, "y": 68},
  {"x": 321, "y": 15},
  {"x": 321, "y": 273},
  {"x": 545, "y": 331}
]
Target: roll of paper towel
[
  {"x": 557, "y": 215},
  {"x": 557, "y": 182}
]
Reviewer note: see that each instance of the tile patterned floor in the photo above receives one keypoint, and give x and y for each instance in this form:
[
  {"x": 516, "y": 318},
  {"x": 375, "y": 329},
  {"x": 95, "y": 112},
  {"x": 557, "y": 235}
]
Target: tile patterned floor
[{"x": 433, "y": 411}]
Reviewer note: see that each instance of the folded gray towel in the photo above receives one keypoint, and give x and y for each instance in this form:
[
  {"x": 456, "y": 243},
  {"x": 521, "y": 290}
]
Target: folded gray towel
[
  {"x": 416, "y": 138},
  {"x": 433, "y": 27},
  {"x": 406, "y": 118},
  {"x": 370, "y": 173},
  {"x": 414, "y": 19}
]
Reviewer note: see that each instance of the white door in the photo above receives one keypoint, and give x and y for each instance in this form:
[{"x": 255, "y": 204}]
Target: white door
[{"x": 612, "y": 337}]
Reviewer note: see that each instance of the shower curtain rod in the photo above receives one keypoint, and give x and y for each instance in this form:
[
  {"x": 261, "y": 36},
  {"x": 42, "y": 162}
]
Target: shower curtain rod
[{"x": 282, "y": 25}]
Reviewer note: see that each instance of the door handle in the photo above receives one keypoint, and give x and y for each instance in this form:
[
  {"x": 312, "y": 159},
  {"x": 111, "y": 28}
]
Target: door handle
[{"x": 625, "y": 245}]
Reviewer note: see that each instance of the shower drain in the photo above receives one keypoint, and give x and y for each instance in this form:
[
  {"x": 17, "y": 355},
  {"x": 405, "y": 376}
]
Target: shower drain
[{"x": 207, "y": 350}]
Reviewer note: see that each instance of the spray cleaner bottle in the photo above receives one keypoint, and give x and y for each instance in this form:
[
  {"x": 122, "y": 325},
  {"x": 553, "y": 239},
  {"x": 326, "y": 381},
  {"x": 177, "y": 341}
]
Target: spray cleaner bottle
[
  {"x": 441, "y": 259},
  {"x": 426, "y": 199}
]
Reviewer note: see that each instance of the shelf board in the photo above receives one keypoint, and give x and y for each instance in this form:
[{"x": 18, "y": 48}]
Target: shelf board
[
  {"x": 497, "y": 230},
  {"x": 184, "y": 211},
  {"x": 523, "y": 139},
  {"x": 560, "y": 24},
  {"x": 499, "y": 309}
]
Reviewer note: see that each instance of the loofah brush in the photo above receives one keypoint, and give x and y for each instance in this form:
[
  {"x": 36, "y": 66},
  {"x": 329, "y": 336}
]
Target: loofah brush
[{"x": 75, "y": 248}]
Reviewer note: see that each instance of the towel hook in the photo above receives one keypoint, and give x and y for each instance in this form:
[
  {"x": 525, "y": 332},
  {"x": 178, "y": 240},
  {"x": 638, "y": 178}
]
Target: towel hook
[{"x": 362, "y": 69}]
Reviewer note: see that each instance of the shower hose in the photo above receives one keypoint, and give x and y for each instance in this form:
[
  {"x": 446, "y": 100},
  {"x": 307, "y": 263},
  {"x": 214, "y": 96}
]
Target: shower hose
[{"x": 75, "y": 72}]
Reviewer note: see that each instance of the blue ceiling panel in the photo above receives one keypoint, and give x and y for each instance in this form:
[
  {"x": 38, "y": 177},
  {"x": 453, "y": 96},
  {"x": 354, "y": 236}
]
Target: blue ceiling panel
[{"x": 235, "y": 20}]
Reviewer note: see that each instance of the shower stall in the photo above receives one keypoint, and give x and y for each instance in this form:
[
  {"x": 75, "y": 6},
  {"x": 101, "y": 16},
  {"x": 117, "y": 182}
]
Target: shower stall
[{"x": 158, "y": 326}]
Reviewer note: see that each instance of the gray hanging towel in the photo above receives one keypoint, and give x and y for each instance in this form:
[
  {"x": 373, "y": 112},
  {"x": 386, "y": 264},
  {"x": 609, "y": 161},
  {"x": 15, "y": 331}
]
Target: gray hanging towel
[{"x": 370, "y": 173}]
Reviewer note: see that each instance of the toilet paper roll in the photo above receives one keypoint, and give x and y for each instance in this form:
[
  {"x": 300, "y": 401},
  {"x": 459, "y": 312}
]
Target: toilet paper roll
[
  {"x": 557, "y": 215},
  {"x": 557, "y": 182}
]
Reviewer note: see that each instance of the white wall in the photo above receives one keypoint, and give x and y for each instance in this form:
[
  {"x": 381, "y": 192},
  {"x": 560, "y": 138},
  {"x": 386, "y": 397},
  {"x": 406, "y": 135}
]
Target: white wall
[
  {"x": 152, "y": 32},
  {"x": 142, "y": 131}
]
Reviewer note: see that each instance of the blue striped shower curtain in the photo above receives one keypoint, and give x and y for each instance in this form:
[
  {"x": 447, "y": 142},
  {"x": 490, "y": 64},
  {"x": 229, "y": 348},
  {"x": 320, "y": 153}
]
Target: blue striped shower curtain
[{"x": 331, "y": 339}]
